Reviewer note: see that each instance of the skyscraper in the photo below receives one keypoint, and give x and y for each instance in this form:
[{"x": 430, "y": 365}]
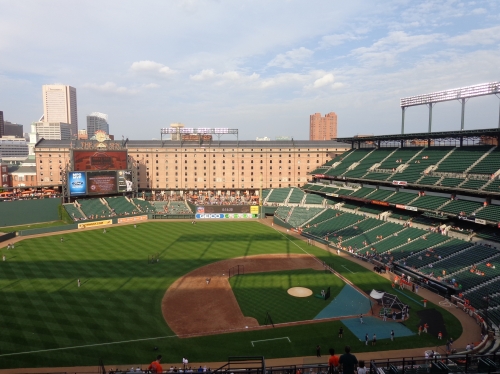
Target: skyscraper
[
  {"x": 2, "y": 130},
  {"x": 97, "y": 121},
  {"x": 323, "y": 128},
  {"x": 59, "y": 105}
]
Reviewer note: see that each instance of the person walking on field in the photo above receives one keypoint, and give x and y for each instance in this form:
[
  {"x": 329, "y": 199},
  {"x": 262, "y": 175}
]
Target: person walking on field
[
  {"x": 341, "y": 332},
  {"x": 360, "y": 318},
  {"x": 392, "y": 335},
  {"x": 79, "y": 282}
]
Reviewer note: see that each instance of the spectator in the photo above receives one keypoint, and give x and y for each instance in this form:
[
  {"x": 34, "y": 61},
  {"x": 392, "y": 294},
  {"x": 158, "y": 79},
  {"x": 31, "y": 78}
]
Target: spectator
[
  {"x": 348, "y": 361},
  {"x": 155, "y": 366}
]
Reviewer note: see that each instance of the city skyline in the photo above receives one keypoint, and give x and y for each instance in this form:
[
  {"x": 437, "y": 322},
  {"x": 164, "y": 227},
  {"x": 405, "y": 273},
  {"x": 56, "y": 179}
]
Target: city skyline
[{"x": 259, "y": 67}]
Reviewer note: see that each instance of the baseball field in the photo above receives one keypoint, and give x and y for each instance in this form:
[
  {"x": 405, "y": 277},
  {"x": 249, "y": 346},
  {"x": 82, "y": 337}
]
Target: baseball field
[{"x": 183, "y": 303}]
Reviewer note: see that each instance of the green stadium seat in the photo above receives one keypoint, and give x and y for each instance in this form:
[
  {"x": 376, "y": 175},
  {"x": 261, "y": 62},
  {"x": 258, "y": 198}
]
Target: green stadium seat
[
  {"x": 490, "y": 213},
  {"x": 94, "y": 208},
  {"x": 301, "y": 215},
  {"x": 296, "y": 196},
  {"x": 314, "y": 199},
  {"x": 458, "y": 206},
  {"x": 488, "y": 165},
  {"x": 120, "y": 205},
  {"x": 74, "y": 212},
  {"x": 429, "y": 202},
  {"x": 278, "y": 195},
  {"x": 462, "y": 158}
]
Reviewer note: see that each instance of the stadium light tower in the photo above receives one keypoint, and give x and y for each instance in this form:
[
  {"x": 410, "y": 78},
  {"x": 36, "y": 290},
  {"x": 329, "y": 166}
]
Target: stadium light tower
[{"x": 462, "y": 94}]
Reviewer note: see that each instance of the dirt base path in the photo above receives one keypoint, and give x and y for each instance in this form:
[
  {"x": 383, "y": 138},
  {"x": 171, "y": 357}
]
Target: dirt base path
[{"x": 220, "y": 312}]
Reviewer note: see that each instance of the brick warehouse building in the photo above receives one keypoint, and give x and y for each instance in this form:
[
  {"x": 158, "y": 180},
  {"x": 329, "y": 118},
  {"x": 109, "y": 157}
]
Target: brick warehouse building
[{"x": 215, "y": 165}]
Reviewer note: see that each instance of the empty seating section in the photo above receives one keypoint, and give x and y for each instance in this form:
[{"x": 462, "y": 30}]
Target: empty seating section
[
  {"x": 94, "y": 208},
  {"x": 74, "y": 212},
  {"x": 458, "y": 206},
  {"x": 120, "y": 205},
  {"x": 401, "y": 156},
  {"x": 370, "y": 237},
  {"x": 178, "y": 207},
  {"x": 429, "y": 181},
  {"x": 373, "y": 209},
  {"x": 482, "y": 273},
  {"x": 329, "y": 189},
  {"x": 351, "y": 205},
  {"x": 300, "y": 215},
  {"x": 489, "y": 234},
  {"x": 296, "y": 196},
  {"x": 306, "y": 186},
  {"x": 282, "y": 212},
  {"x": 327, "y": 214},
  {"x": 377, "y": 176},
  {"x": 314, "y": 199},
  {"x": 473, "y": 184},
  {"x": 490, "y": 213},
  {"x": 401, "y": 198},
  {"x": 402, "y": 237},
  {"x": 143, "y": 205},
  {"x": 436, "y": 253},
  {"x": 429, "y": 156},
  {"x": 488, "y": 165},
  {"x": 476, "y": 296},
  {"x": 319, "y": 170},
  {"x": 493, "y": 187},
  {"x": 328, "y": 227},
  {"x": 362, "y": 192},
  {"x": 316, "y": 187},
  {"x": 450, "y": 182},
  {"x": 348, "y": 160},
  {"x": 355, "y": 230},
  {"x": 373, "y": 158},
  {"x": 418, "y": 245},
  {"x": 344, "y": 191},
  {"x": 381, "y": 194},
  {"x": 429, "y": 202},
  {"x": 278, "y": 195},
  {"x": 331, "y": 162},
  {"x": 462, "y": 158},
  {"x": 452, "y": 264},
  {"x": 159, "y": 206},
  {"x": 265, "y": 193}
]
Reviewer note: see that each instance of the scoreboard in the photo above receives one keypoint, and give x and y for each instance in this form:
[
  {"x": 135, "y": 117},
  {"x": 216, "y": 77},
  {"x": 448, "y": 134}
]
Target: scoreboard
[{"x": 227, "y": 211}]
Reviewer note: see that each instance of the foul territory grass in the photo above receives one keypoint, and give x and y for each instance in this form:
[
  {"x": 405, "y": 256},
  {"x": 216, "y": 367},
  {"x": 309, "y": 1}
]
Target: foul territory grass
[
  {"x": 32, "y": 226},
  {"x": 262, "y": 293},
  {"x": 47, "y": 321}
]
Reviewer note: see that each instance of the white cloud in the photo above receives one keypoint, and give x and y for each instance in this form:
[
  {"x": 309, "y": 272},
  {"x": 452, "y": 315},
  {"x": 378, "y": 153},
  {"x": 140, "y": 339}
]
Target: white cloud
[
  {"x": 338, "y": 39},
  {"x": 385, "y": 50},
  {"x": 221, "y": 78},
  {"x": 110, "y": 87},
  {"x": 152, "y": 67},
  {"x": 323, "y": 81},
  {"x": 478, "y": 11},
  {"x": 150, "y": 85},
  {"x": 480, "y": 36},
  {"x": 291, "y": 58}
]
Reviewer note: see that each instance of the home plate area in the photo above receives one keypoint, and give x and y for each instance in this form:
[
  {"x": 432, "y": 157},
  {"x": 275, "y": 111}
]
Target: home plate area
[{"x": 373, "y": 325}]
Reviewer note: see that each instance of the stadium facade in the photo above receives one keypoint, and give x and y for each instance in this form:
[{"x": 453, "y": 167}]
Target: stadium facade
[{"x": 213, "y": 165}]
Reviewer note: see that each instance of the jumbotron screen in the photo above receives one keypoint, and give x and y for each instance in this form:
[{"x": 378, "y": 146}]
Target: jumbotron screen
[
  {"x": 101, "y": 182},
  {"x": 224, "y": 209},
  {"x": 99, "y": 160}
]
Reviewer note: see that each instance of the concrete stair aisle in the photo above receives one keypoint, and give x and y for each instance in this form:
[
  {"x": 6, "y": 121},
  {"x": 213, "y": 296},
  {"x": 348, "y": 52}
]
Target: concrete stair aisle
[
  {"x": 445, "y": 157},
  {"x": 354, "y": 165},
  {"x": 288, "y": 196},
  {"x": 402, "y": 167},
  {"x": 77, "y": 206},
  {"x": 310, "y": 219},
  {"x": 443, "y": 205},
  {"x": 267, "y": 197},
  {"x": 380, "y": 241},
  {"x": 479, "y": 160},
  {"x": 373, "y": 228}
]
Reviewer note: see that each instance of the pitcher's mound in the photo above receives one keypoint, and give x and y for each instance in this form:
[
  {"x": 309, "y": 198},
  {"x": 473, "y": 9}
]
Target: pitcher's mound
[{"x": 299, "y": 292}]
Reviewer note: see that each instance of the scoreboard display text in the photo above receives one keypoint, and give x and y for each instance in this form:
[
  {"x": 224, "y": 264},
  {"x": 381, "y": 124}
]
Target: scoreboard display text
[{"x": 227, "y": 211}]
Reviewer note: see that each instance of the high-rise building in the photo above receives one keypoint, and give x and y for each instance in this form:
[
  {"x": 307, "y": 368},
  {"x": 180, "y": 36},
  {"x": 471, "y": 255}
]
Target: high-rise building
[
  {"x": 13, "y": 129},
  {"x": 53, "y": 130},
  {"x": 13, "y": 148},
  {"x": 323, "y": 128},
  {"x": 97, "y": 121},
  {"x": 59, "y": 105},
  {"x": 1, "y": 124}
]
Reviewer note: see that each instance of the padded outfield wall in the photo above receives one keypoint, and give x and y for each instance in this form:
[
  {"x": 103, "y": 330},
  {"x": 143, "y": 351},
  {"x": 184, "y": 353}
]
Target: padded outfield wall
[{"x": 22, "y": 212}]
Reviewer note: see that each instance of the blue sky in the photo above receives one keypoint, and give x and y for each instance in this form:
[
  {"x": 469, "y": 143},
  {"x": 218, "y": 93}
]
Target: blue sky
[{"x": 260, "y": 66}]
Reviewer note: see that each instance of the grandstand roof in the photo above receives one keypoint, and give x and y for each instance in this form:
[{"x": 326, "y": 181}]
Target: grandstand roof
[
  {"x": 214, "y": 143},
  {"x": 493, "y": 132}
]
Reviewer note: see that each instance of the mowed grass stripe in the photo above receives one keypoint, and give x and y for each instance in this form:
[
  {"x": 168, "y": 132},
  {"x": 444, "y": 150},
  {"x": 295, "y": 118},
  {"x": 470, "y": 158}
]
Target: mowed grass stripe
[{"x": 120, "y": 299}]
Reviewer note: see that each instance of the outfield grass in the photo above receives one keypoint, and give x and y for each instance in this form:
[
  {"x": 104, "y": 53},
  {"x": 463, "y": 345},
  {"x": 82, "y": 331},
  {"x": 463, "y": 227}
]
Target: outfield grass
[
  {"x": 116, "y": 314},
  {"x": 259, "y": 293},
  {"x": 32, "y": 226}
]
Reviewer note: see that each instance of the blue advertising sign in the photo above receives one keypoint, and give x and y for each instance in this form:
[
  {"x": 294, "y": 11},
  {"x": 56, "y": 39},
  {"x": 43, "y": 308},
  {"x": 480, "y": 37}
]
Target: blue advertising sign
[{"x": 76, "y": 183}]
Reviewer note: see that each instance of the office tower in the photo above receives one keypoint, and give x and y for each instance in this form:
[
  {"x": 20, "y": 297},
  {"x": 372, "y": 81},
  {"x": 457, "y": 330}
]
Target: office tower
[
  {"x": 53, "y": 130},
  {"x": 1, "y": 124},
  {"x": 59, "y": 105},
  {"x": 323, "y": 128},
  {"x": 97, "y": 121},
  {"x": 13, "y": 129}
]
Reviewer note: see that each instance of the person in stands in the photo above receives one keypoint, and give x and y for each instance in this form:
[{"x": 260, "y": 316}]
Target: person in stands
[
  {"x": 348, "y": 361},
  {"x": 155, "y": 366}
]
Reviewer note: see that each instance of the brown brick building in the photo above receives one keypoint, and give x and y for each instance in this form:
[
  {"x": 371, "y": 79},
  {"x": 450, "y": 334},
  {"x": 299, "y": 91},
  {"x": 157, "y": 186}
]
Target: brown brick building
[
  {"x": 216, "y": 165},
  {"x": 323, "y": 128}
]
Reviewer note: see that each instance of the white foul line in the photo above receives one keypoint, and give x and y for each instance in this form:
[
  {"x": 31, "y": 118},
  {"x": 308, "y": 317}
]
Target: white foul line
[
  {"x": 347, "y": 269},
  {"x": 265, "y": 340},
  {"x": 85, "y": 346}
]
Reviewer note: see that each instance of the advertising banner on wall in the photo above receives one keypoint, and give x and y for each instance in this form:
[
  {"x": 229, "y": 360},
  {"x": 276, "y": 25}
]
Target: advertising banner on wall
[
  {"x": 95, "y": 223},
  {"x": 77, "y": 183},
  {"x": 99, "y": 160},
  {"x": 101, "y": 182},
  {"x": 132, "y": 219}
]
